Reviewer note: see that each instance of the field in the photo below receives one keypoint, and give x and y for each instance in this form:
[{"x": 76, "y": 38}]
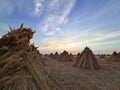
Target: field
[{"x": 70, "y": 78}]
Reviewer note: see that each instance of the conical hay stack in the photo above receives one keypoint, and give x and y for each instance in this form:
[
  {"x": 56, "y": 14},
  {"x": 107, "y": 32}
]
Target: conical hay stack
[
  {"x": 71, "y": 55},
  {"x": 115, "y": 56},
  {"x": 20, "y": 63},
  {"x": 78, "y": 55},
  {"x": 56, "y": 55},
  {"x": 87, "y": 60},
  {"x": 65, "y": 57},
  {"x": 114, "y": 53},
  {"x": 51, "y": 55}
]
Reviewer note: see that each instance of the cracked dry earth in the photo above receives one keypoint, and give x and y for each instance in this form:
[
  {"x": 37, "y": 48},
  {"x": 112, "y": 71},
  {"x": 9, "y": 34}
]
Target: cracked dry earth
[{"x": 71, "y": 78}]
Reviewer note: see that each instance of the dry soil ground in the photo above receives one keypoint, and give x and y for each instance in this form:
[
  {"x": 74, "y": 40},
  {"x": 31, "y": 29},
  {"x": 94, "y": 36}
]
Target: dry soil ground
[{"x": 71, "y": 78}]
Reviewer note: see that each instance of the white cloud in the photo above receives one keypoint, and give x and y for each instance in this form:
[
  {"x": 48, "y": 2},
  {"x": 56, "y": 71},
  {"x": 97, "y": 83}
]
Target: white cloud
[
  {"x": 58, "y": 29},
  {"x": 53, "y": 4},
  {"x": 103, "y": 37},
  {"x": 45, "y": 27},
  {"x": 54, "y": 32},
  {"x": 66, "y": 20},
  {"x": 57, "y": 14},
  {"x": 38, "y": 7},
  {"x": 66, "y": 11},
  {"x": 50, "y": 33}
]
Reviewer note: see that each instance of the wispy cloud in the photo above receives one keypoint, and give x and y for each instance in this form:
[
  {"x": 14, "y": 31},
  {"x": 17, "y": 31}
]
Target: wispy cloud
[
  {"x": 38, "y": 7},
  {"x": 57, "y": 14},
  {"x": 53, "y": 32},
  {"x": 45, "y": 27},
  {"x": 66, "y": 11},
  {"x": 74, "y": 43},
  {"x": 53, "y": 5}
]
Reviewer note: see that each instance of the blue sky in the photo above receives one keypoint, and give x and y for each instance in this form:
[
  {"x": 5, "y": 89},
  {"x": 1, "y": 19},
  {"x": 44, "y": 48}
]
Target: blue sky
[{"x": 66, "y": 24}]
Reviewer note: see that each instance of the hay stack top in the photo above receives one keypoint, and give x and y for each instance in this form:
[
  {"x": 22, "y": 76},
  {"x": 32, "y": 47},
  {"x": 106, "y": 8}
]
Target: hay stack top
[
  {"x": 65, "y": 53},
  {"x": 114, "y": 53},
  {"x": 87, "y": 60},
  {"x": 18, "y": 39},
  {"x": 56, "y": 54}
]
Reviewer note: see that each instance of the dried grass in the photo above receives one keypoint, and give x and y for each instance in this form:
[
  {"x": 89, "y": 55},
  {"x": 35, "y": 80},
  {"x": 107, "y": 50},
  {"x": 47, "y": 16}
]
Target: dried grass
[
  {"x": 87, "y": 60},
  {"x": 21, "y": 67}
]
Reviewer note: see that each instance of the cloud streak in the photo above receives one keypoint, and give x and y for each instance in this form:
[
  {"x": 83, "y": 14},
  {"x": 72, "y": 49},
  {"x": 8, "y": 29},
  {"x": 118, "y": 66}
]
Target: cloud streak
[
  {"x": 38, "y": 7},
  {"x": 57, "y": 14}
]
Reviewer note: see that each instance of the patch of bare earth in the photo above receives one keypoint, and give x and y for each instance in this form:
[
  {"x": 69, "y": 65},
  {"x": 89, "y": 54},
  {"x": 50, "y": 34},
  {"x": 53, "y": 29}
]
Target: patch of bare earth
[{"x": 71, "y": 78}]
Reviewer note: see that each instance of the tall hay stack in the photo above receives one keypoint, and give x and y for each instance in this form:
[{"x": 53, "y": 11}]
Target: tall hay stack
[
  {"x": 87, "y": 60},
  {"x": 78, "y": 55},
  {"x": 115, "y": 56},
  {"x": 51, "y": 55},
  {"x": 21, "y": 67},
  {"x": 56, "y": 56}
]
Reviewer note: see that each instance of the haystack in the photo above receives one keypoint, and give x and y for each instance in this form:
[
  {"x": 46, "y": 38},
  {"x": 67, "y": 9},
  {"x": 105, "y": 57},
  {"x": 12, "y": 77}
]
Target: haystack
[
  {"x": 21, "y": 67},
  {"x": 46, "y": 55},
  {"x": 56, "y": 55},
  {"x": 71, "y": 55},
  {"x": 51, "y": 55},
  {"x": 102, "y": 56},
  {"x": 115, "y": 56},
  {"x": 78, "y": 55},
  {"x": 87, "y": 60},
  {"x": 65, "y": 57}
]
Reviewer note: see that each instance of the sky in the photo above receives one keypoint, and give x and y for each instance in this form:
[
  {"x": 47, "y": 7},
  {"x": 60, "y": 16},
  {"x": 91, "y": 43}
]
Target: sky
[{"x": 66, "y": 24}]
